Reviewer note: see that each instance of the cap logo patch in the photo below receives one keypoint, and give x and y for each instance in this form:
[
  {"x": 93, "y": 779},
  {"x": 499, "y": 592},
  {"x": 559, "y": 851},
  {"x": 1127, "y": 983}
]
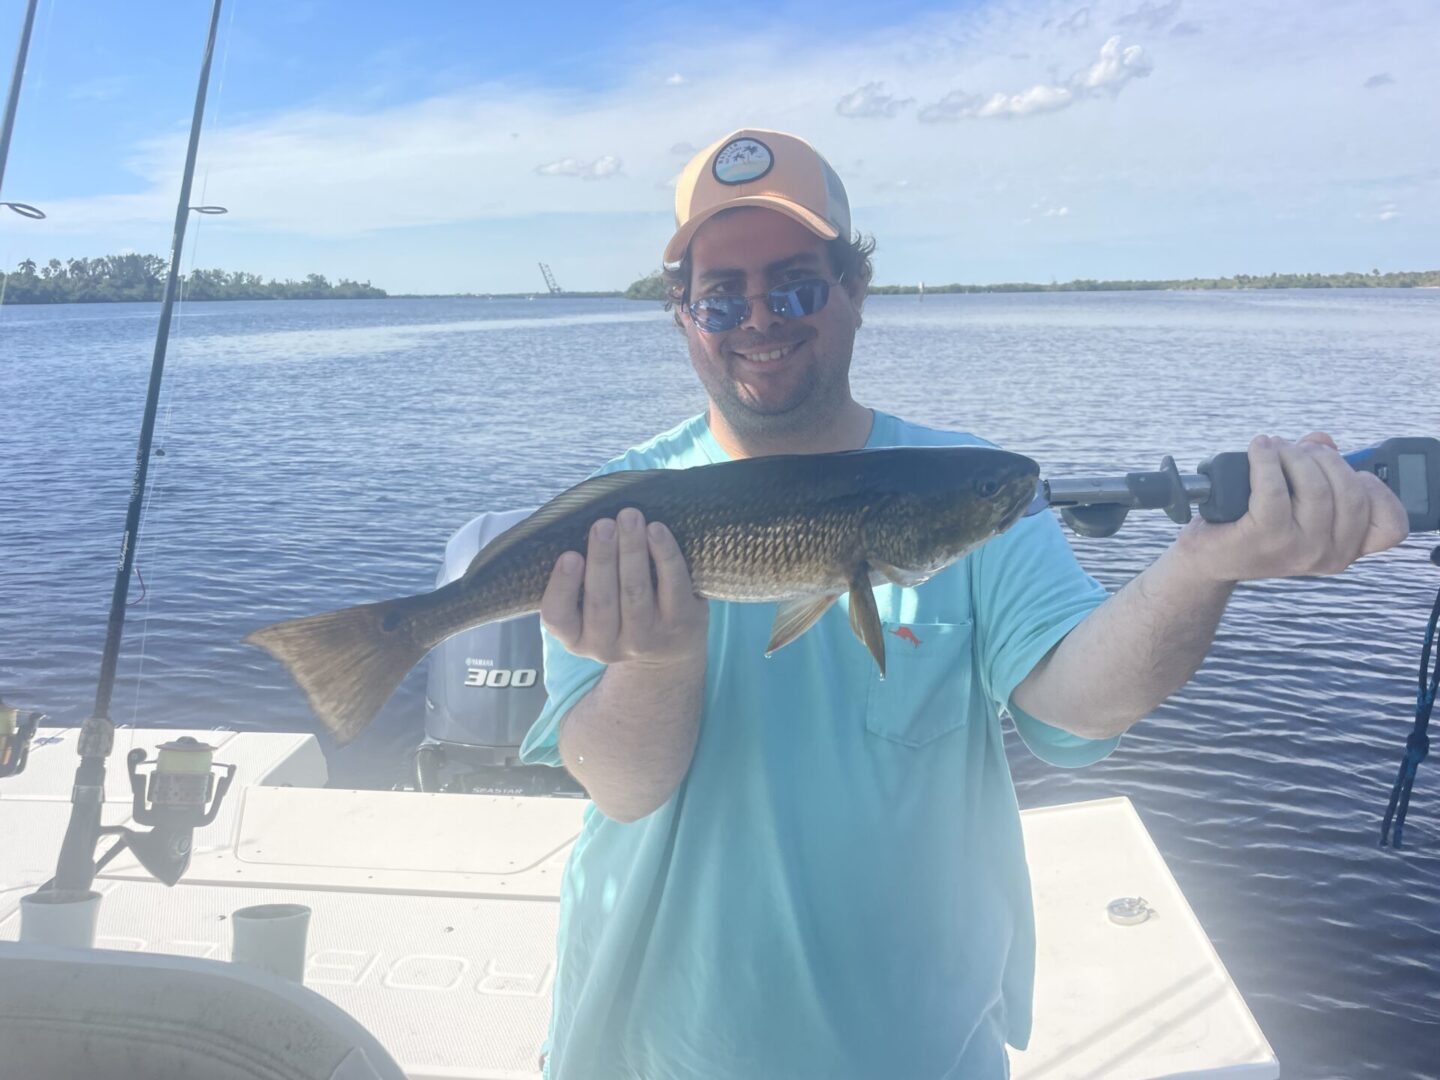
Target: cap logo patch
[{"x": 742, "y": 160}]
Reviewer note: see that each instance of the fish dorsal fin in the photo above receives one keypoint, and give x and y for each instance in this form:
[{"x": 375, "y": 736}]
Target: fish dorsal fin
[
  {"x": 865, "y": 617},
  {"x": 794, "y": 617},
  {"x": 575, "y": 499}
]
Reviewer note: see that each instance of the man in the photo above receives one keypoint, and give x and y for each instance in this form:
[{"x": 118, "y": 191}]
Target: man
[{"x": 792, "y": 868}]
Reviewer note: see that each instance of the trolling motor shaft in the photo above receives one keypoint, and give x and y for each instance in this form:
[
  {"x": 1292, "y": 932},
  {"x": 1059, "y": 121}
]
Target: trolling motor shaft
[{"x": 1220, "y": 489}]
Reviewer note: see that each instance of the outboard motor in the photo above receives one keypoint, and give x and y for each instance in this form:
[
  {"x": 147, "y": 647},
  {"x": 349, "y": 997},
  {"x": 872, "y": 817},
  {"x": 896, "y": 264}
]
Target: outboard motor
[{"x": 484, "y": 689}]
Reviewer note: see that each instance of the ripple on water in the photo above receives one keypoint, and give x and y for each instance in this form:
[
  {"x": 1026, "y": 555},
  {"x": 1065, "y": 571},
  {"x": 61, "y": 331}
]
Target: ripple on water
[{"x": 320, "y": 453}]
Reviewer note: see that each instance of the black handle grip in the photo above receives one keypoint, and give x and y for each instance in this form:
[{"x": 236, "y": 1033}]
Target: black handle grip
[
  {"x": 1229, "y": 475},
  {"x": 1408, "y": 465}
]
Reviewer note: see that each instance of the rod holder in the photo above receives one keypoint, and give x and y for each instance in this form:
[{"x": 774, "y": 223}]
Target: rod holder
[
  {"x": 60, "y": 918},
  {"x": 271, "y": 937}
]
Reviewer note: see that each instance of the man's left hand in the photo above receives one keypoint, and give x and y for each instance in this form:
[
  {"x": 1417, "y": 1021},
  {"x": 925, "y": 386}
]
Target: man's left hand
[{"x": 1310, "y": 513}]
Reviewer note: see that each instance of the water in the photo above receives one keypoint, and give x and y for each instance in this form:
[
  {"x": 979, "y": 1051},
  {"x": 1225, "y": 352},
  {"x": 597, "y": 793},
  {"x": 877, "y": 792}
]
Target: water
[{"x": 317, "y": 454}]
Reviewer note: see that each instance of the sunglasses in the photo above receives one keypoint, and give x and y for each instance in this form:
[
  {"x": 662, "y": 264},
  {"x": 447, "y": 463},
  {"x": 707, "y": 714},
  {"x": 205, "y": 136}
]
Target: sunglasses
[{"x": 795, "y": 300}]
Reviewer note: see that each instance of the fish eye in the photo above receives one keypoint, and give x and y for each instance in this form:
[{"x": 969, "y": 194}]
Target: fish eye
[{"x": 986, "y": 488}]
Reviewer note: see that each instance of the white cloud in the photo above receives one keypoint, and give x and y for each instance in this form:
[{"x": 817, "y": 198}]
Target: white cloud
[
  {"x": 1116, "y": 66},
  {"x": 675, "y": 80},
  {"x": 609, "y": 165},
  {"x": 871, "y": 101},
  {"x": 1256, "y": 118},
  {"x": 958, "y": 105}
]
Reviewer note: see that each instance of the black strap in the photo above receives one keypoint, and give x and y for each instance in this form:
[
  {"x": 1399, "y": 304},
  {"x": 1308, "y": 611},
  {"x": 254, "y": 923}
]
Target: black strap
[{"x": 1417, "y": 744}]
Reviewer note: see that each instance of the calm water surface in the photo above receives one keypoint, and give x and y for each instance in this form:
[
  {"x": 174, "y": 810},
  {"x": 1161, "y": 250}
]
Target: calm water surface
[{"x": 318, "y": 454}]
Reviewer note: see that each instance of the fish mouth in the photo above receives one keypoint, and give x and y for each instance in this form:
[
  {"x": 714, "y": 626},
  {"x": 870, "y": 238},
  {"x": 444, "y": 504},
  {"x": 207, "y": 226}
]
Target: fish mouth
[
  {"x": 1020, "y": 499},
  {"x": 1011, "y": 517}
]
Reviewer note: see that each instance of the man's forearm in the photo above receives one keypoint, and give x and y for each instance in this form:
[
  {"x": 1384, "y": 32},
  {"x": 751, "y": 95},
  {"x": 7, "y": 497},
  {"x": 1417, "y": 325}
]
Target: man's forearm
[
  {"x": 629, "y": 741},
  {"x": 1130, "y": 653}
]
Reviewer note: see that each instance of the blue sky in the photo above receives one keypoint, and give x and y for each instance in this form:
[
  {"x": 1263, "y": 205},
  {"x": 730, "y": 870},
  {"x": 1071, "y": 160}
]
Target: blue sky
[{"x": 448, "y": 146}]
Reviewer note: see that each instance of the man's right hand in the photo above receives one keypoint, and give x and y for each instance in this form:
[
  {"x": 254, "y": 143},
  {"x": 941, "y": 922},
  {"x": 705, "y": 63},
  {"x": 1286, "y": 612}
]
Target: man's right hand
[{"x": 625, "y": 615}]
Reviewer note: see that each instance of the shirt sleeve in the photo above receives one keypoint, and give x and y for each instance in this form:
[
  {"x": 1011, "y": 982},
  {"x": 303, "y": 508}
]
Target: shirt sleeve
[
  {"x": 568, "y": 678},
  {"x": 1028, "y": 592}
]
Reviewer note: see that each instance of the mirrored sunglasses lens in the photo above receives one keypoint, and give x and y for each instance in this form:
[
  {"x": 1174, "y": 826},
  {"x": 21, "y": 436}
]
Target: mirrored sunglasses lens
[
  {"x": 718, "y": 313},
  {"x": 800, "y": 299}
]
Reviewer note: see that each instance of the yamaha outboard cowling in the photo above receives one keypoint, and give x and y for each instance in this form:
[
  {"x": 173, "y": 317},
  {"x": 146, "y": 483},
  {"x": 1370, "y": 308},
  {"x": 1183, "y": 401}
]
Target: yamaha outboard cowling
[{"x": 484, "y": 689}]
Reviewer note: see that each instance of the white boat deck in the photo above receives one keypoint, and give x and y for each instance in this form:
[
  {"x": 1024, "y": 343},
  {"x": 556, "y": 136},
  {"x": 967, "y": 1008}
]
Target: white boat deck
[{"x": 434, "y": 915}]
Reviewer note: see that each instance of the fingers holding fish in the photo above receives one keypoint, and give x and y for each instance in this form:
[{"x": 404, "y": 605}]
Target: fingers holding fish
[
  {"x": 637, "y": 595},
  {"x": 600, "y": 607},
  {"x": 684, "y": 615},
  {"x": 560, "y": 605},
  {"x": 623, "y": 606}
]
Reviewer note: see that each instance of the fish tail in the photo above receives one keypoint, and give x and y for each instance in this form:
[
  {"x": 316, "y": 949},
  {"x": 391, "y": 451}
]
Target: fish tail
[{"x": 348, "y": 662}]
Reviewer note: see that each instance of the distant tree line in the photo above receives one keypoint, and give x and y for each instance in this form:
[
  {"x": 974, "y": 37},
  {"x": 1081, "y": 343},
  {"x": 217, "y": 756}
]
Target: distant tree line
[
  {"x": 652, "y": 286},
  {"x": 1405, "y": 279},
  {"x": 142, "y": 277},
  {"x": 649, "y": 287}
]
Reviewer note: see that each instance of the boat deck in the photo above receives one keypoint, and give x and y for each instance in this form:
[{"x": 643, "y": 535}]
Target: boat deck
[{"x": 434, "y": 915}]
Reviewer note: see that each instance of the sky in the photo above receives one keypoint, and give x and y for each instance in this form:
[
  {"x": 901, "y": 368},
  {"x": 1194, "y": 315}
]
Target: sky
[{"x": 449, "y": 146}]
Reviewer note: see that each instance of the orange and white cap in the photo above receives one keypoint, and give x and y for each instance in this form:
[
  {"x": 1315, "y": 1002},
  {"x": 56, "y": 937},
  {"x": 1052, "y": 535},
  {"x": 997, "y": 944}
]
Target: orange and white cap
[{"x": 753, "y": 167}]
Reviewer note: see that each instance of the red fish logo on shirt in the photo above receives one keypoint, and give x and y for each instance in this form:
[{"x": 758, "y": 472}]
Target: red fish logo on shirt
[{"x": 904, "y": 633}]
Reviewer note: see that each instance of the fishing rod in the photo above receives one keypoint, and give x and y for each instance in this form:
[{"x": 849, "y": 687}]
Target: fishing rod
[
  {"x": 17, "y": 726},
  {"x": 12, "y": 103},
  {"x": 183, "y": 779}
]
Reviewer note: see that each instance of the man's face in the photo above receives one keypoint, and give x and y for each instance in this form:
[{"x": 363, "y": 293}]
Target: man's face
[{"x": 771, "y": 375}]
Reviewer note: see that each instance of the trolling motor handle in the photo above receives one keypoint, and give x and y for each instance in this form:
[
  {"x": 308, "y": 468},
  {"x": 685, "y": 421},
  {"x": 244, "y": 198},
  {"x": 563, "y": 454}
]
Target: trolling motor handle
[{"x": 1409, "y": 466}]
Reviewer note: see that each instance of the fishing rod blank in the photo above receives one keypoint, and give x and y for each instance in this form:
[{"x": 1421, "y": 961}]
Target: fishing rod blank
[
  {"x": 12, "y": 103},
  {"x": 76, "y": 869}
]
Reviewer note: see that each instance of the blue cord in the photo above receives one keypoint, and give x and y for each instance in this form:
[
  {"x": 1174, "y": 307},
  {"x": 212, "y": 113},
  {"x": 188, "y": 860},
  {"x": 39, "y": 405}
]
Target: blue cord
[{"x": 1417, "y": 744}]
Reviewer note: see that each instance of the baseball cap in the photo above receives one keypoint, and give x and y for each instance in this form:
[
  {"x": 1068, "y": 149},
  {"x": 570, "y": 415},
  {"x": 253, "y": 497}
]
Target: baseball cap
[{"x": 754, "y": 167}]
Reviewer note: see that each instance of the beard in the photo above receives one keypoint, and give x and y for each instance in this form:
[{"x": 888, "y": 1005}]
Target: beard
[{"x": 811, "y": 405}]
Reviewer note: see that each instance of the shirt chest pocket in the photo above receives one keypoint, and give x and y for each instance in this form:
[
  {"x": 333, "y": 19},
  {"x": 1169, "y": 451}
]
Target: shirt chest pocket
[{"x": 926, "y": 690}]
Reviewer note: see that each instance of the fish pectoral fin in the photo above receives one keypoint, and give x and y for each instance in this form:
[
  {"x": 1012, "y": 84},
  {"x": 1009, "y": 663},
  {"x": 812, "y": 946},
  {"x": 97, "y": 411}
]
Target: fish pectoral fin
[
  {"x": 906, "y": 579},
  {"x": 865, "y": 617},
  {"x": 794, "y": 617}
]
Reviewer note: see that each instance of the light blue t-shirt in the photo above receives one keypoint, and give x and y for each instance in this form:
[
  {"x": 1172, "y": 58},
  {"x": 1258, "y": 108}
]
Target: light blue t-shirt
[{"x": 838, "y": 888}]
